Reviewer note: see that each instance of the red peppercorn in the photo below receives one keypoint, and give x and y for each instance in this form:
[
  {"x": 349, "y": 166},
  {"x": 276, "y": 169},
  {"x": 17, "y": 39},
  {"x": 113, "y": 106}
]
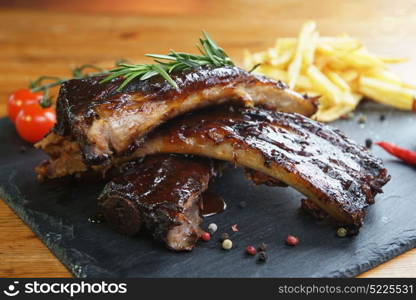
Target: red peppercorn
[
  {"x": 234, "y": 228},
  {"x": 206, "y": 236},
  {"x": 292, "y": 240},
  {"x": 251, "y": 250}
]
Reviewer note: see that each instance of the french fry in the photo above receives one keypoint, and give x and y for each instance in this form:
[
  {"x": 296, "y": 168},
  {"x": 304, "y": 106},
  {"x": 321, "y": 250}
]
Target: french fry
[
  {"x": 304, "y": 41},
  {"x": 341, "y": 43},
  {"x": 349, "y": 75},
  {"x": 332, "y": 113},
  {"x": 283, "y": 60},
  {"x": 309, "y": 53},
  {"x": 388, "y": 76},
  {"x": 324, "y": 86},
  {"x": 392, "y": 60},
  {"x": 387, "y": 93},
  {"x": 361, "y": 59},
  {"x": 284, "y": 44},
  {"x": 338, "y": 69},
  {"x": 338, "y": 81},
  {"x": 270, "y": 71}
]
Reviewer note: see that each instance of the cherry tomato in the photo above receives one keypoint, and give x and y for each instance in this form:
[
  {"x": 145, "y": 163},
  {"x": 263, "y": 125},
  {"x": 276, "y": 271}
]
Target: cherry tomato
[
  {"x": 19, "y": 99},
  {"x": 33, "y": 122}
]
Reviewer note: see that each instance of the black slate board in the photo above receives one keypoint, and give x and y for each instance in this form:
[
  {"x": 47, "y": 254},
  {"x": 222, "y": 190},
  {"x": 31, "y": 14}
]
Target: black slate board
[{"x": 58, "y": 213}]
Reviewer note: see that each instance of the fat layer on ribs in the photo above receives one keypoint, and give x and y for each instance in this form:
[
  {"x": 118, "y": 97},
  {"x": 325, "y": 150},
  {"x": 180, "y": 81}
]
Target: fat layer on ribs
[
  {"x": 162, "y": 194},
  {"x": 105, "y": 122}
]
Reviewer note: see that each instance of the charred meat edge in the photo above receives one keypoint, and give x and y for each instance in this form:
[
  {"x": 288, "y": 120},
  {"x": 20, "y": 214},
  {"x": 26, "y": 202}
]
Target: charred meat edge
[{"x": 161, "y": 194}]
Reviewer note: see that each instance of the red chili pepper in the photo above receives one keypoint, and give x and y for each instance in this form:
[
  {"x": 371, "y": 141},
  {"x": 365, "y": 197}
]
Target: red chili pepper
[{"x": 402, "y": 153}]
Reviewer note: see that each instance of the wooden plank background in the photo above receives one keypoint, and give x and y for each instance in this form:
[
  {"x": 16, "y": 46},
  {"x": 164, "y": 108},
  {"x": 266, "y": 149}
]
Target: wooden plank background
[{"x": 51, "y": 37}]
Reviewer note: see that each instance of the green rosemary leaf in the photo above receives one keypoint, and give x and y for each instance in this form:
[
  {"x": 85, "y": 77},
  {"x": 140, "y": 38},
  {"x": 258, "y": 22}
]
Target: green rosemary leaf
[
  {"x": 109, "y": 78},
  {"x": 160, "y": 56},
  {"x": 129, "y": 78},
  {"x": 209, "y": 40},
  {"x": 188, "y": 63},
  {"x": 148, "y": 75},
  {"x": 165, "y": 75},
  {"x": 200, "y": 49},
  {"x": 210, "y": 54}
]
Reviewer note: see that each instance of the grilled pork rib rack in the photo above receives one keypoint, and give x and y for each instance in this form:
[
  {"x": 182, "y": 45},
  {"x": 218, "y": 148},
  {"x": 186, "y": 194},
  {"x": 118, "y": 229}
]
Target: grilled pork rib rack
[
  {"x": 101, "y": 123},
  {"x": 338, "y": 175},
  {"x": 99, "y": 128},
  {"x": 105, "y": 122}
]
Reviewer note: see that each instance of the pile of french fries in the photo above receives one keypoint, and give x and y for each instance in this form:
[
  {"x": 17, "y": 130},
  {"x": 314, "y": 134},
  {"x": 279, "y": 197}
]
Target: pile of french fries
[{"x": 337, "y": 69}]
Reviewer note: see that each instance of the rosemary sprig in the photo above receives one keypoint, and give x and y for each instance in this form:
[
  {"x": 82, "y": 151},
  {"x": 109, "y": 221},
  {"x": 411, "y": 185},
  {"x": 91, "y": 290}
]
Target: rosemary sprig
[{"x": 210, "y": 55}]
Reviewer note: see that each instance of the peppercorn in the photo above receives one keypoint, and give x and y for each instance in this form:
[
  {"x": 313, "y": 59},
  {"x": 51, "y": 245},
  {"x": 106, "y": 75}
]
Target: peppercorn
[
  {"x": 234, "y": 228},
  {"x": 23, "y": 149},
  {"x": 292, "y": 240},
  {"x": 382, "y": 118},
  {"x": 224, "y": 236},
  {"x": 362, "y": 119},
  {"x": 251, "y": 250},
  {"x": 243, "y": 204},
  {"x": 368, "y": 143},
  {"x": 263, "y": 247},
  {"x": 262, "y": 256},
  {"x": 205, "y": 236},
  {"x": 348, "y": 116},
  {"x": 227, "y": 244},
  {"x": 212, "y": 228},
  {"x": 342, "y": 232}
]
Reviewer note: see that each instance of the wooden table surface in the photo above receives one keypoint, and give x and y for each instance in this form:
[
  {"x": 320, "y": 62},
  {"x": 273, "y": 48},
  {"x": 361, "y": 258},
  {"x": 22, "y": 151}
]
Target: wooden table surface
[{"x": 51, "y": 37}]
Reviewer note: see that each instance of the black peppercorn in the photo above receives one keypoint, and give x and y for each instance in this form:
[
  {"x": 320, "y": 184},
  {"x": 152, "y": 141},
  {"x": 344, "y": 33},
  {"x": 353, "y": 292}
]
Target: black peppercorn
[
  {"x": 362, "y": 119},
  {"x": 262, "y": 256},
  {"x": 368, "y": 143},
  {"x": 224, "y": 236},
  {"x": 382, "y": 118},
  {"x": 263, "y": 247}
]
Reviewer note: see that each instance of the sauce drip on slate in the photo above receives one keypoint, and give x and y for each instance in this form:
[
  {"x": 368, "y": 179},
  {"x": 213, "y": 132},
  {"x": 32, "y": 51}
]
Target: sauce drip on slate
[{"x": 212, "y": 204}]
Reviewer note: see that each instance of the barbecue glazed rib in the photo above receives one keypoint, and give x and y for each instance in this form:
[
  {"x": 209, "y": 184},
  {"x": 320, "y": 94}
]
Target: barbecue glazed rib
[
  {"x": 105, "y": 122},
  {"x": 162, "y": 194},
  {"x": 338, "y": 175}
]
